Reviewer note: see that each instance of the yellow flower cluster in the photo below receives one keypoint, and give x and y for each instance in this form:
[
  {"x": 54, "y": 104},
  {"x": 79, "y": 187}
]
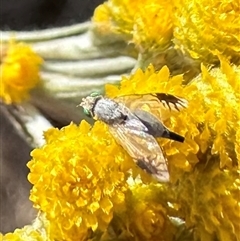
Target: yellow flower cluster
[
  {"x": 148, "y": 24},
  {"x": 19, "y": 72},
  {"x": 81, "y": 175},
  {"x": 89, "y": 188},
  {"x": 206, "y": 28},
  {"x": 79, "y": 179}
]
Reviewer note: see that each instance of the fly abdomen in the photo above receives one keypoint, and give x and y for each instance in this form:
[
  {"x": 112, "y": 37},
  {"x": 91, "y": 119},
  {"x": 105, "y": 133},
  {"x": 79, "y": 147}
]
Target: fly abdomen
[{"x": 156, "y": 127}]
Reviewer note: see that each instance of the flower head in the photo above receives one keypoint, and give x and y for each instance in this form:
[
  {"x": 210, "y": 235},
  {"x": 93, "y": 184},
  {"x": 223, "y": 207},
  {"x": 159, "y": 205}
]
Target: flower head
[
  {"x": 19, "y": 72},
  {"x": 79, "y": 179},
  {"x": 147, "y": 217},
  {"x": 148, "y": 24},
  {"x": 208, "y": 28}
]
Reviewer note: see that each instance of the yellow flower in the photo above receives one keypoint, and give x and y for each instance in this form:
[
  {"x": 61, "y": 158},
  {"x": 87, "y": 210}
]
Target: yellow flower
[
  {"x": 19, "y": 72},
  {"x": 79, "y": 180},
  {"x": 148, "y": 24},
  {"x": 206, "y": 28},
  {"x": 147, "y": 217}
]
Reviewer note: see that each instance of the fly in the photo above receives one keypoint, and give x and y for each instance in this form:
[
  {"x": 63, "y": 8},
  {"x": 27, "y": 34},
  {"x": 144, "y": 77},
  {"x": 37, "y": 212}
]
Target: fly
[{"x": 135, "y": 129}]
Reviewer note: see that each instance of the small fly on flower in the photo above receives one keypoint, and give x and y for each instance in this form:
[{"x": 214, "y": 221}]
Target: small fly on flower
[{"x": 135, "y": 129}]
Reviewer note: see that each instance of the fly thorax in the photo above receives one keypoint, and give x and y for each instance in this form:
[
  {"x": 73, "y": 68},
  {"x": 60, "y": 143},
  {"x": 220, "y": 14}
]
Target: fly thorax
[{"x": 108, "y": 111}]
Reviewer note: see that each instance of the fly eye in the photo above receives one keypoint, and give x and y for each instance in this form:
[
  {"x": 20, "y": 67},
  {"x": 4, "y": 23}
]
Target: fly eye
[
  {"x": 94, "y": 94},
  {"x": 87, "y": 112}
]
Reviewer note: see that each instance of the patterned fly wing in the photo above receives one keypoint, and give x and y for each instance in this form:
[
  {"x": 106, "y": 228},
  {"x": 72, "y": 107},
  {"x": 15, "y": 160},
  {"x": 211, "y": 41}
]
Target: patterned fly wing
[
  {"x": 158, "y": 104},
  {"x": 142, "y": 147}
]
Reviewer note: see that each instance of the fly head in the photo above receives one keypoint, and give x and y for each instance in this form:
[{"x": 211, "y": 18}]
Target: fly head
[{"x": 89, "y": 103}]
